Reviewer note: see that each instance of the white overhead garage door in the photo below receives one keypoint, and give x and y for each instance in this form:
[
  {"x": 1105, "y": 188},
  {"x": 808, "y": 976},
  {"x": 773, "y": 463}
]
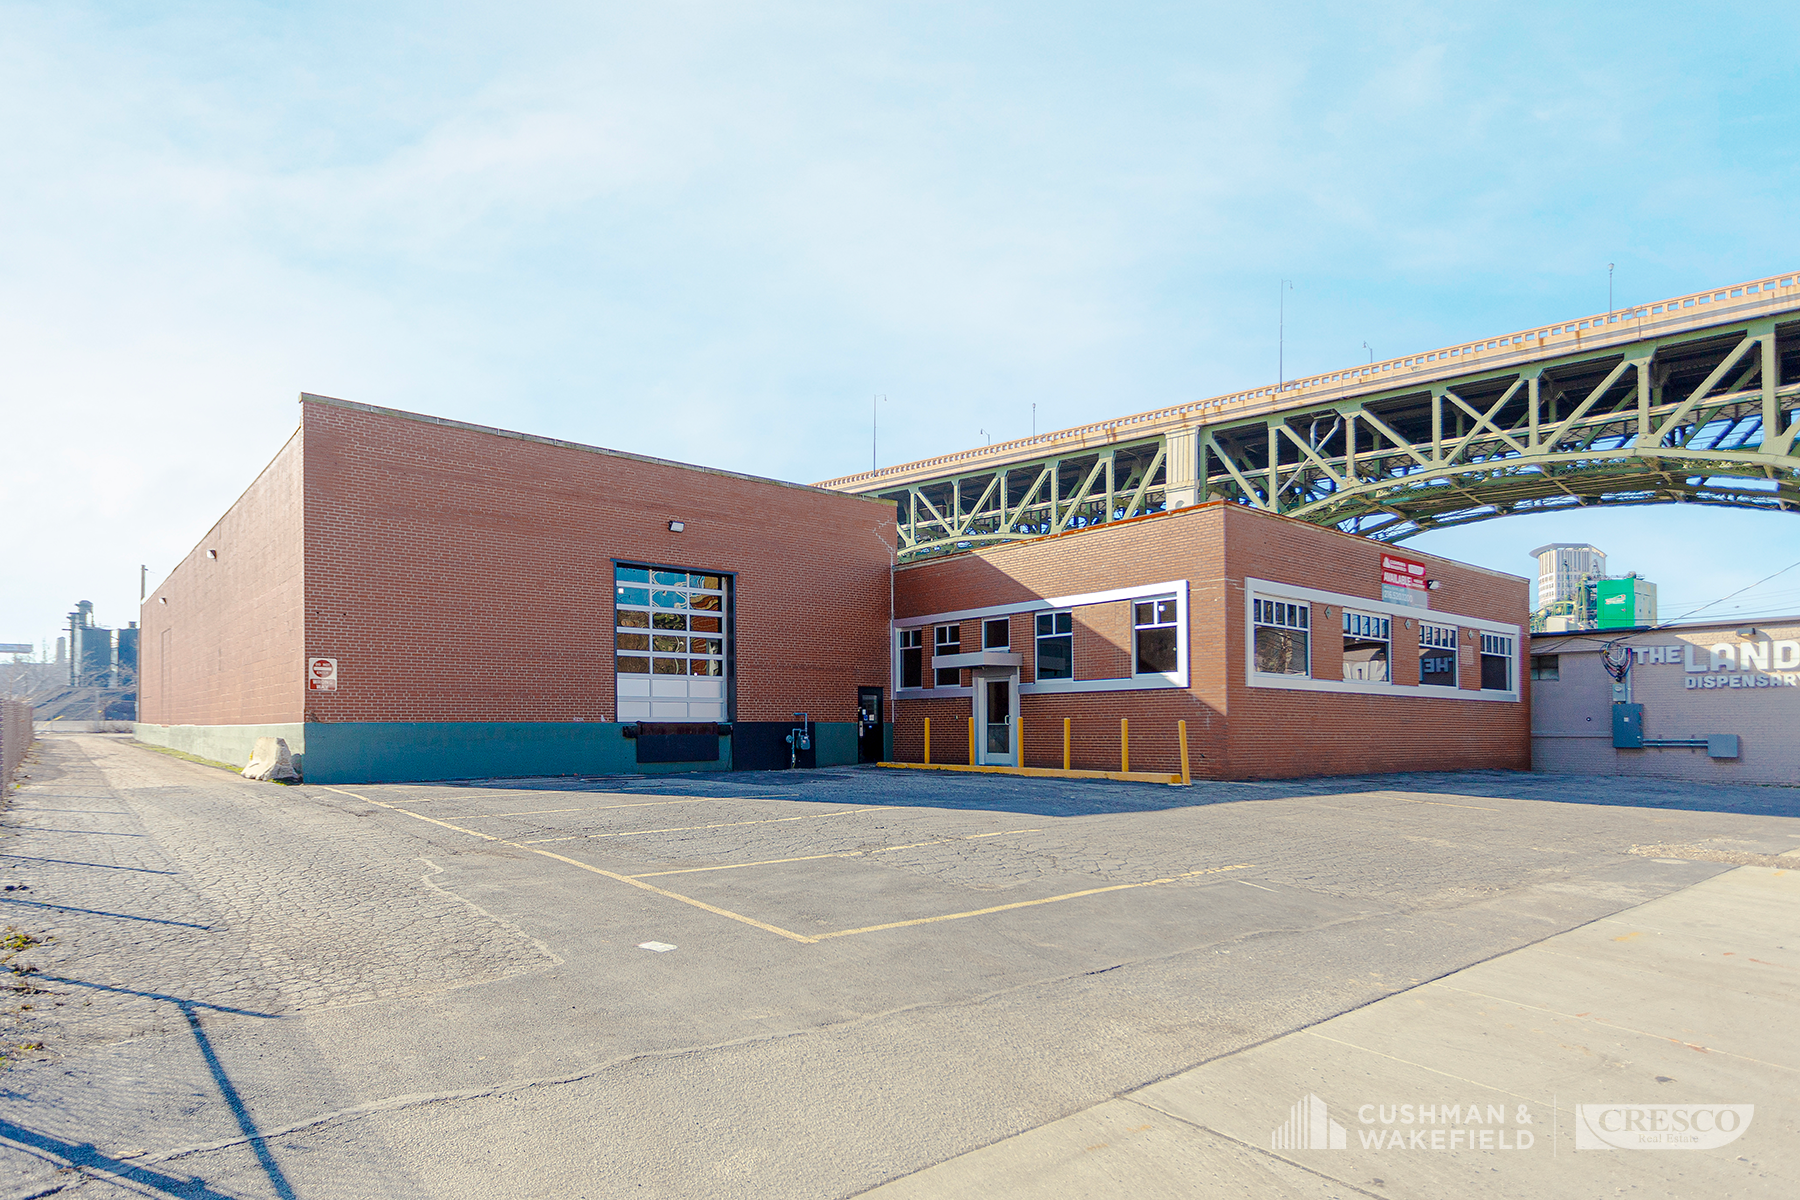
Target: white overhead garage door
[{"x": 670, "y": 644}]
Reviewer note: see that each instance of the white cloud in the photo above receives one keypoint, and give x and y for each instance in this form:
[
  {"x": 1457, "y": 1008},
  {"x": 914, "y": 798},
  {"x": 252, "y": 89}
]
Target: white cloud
[{"x": 711, "y": 233}]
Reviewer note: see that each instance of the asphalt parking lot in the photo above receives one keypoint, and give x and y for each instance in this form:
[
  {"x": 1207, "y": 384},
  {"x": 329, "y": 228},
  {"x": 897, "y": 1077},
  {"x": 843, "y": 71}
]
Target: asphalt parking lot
[{"x": 796, "y": 984}]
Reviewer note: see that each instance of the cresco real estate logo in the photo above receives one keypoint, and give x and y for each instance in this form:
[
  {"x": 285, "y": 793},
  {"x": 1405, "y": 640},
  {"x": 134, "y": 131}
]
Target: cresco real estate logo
[{"x": 1660, "y": 1126}]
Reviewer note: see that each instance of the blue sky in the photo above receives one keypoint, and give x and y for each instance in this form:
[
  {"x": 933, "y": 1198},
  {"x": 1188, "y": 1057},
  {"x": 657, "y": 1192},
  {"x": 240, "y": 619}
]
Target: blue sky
[{"x": 713, "y": 231}]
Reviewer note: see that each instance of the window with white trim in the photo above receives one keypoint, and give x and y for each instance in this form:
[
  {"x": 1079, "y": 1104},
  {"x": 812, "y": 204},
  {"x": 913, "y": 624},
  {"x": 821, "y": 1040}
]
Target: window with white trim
[
  {"x": 1496, "y": 663},
  {"x": 948, "y": 640},
  {"x": 912, "y": 658},
  {"x": 1437, "y": 655},
  {"x": 1366, "y": 637},
  {"x": 1154, "y": 636},
  {"x": 1282, "y": 637},
  {"x": 1056, "y": 645}
]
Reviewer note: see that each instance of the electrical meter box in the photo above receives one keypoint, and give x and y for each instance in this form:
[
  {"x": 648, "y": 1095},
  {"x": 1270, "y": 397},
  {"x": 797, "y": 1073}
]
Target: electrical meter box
[{"x": 1628, "y": 726}]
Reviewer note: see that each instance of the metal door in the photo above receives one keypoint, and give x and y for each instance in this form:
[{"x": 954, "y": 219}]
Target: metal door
[{"x": 871, "y": 731}]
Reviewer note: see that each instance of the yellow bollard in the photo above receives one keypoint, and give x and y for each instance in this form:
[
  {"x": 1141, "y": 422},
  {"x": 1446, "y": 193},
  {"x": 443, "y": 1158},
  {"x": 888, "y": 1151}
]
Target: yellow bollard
[
  {"x": 1065, "y": 743},
  {"x": 1019, "y": 753},
  {"x": 971, "y": 741},
  {"x": 1124, "y": 745},
  {"x": 928, "y": 741},
  {"x": 1181, "y": 729}
]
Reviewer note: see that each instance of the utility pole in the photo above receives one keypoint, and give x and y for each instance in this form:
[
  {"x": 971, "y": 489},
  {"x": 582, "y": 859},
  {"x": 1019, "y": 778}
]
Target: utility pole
[
  {"x": 1034, "y": 418},
  {"x": 1609, "y": 300},
  {"x": 1371, "y": 354},
  {"x": 1287, "y": 285},
  {"x": 874, "y": 427},
  {"x": 143, "y": 581}
]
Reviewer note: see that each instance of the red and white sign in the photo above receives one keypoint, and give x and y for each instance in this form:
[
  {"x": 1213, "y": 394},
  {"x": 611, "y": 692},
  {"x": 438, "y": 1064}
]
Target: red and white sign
[
  {"x": 321, "y": 674},
  {"x": 1402, "y": 572}
]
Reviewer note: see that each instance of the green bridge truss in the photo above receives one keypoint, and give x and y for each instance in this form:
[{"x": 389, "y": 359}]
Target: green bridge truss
[{"x": 1694, "y": 401}]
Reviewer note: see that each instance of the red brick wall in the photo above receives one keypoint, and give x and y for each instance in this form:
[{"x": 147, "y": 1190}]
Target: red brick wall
[
  {"x": 228, "y": 648},
  {"x": 463, "y": 575},
  {"x": 1278, "y": 733},
  {"x": 1103, "y": 641},
  {"x": 1233, "y": 730},
  {"x": 1122, "y": 555}
]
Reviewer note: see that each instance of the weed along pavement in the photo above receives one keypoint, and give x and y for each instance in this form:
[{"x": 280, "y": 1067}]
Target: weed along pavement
[{"x": 818, "y": 984}]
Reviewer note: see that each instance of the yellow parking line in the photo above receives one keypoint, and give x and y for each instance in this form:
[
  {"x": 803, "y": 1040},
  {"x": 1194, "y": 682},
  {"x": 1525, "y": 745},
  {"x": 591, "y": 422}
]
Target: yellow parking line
[
  {"x": 534, "y": 812},
  {"x": 982, "y": 912},
  {"x": 770, "y": 862},
  {"x": 842, "y": 812},
  {"x": 644, "y": 804},
  {"x": 1443, "y": 804},
  {"x": 711, "y": 908},
  {"x": 945, "y": 841},
  {"x": 767, "y": 862}
]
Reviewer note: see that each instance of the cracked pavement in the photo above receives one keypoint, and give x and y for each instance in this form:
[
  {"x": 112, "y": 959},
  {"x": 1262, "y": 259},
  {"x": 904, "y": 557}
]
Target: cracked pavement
[{"x": 396, "y": 990}]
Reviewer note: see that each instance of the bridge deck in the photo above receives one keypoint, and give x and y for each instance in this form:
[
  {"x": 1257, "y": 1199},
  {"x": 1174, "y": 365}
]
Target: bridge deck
[{"x": 1649, "y": 404}]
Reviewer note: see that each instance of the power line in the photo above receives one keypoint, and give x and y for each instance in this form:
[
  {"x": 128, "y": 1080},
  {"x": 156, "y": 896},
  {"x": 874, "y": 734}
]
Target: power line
[{"x": 1722, "y": 599}]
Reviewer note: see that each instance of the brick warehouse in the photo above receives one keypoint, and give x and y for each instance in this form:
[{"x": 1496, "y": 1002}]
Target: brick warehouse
[
  {"x": 404, "y": 597},
  {"x": 465, "y": 582}
]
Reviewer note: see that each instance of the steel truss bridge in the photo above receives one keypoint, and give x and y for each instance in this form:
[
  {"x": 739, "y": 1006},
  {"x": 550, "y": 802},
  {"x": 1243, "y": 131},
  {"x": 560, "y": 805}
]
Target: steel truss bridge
[{"x": 1691, "y": 400}]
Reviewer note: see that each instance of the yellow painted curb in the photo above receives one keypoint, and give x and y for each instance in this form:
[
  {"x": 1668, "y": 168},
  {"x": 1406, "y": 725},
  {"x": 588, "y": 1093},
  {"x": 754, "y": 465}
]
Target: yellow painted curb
[{"x": 1044, "y": 772}]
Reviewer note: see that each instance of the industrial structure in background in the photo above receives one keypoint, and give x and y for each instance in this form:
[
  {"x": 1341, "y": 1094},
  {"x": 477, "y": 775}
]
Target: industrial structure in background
[
  {"x": 100, "y": 657},
  {"x": 1575, "y": 592},
  {"x": 92, "y": 678}
]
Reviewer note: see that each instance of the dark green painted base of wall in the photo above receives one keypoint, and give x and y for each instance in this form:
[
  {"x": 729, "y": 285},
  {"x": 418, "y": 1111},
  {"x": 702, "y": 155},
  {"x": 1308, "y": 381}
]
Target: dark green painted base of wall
[{"x": 409, "y": 751}]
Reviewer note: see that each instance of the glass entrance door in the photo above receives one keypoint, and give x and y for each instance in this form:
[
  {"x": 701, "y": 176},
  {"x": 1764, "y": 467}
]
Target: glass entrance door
[{"x": 996, "y": 699}]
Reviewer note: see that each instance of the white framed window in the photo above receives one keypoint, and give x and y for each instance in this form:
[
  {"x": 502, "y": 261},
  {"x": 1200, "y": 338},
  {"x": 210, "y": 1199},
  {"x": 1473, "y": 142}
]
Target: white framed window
[
  {"x": 1437, "y": 655},
  {"x": 1366, "y": 638},
  {"x": 1055, "y": 675},
  {"x": 1056, "y": 645},
  {"x": 1155, "y": 637},
  {"x": 912, "y": 658},
  {"x": 669, "y": 643},
  {"x": 947, "y": 640},
  {"x": 1282, "y": 637},
  {"x": 1496, "y": 663}
]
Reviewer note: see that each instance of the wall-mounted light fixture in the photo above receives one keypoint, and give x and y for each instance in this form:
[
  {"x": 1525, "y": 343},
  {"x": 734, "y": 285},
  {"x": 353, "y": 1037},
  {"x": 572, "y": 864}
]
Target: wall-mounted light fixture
[
  {"x": 212, "y": 554},
  {"x": 1432, "y": 585},
  {"x": 677, "y": 526},
  {"x": 162, "y": 599},
  {"x": 1749, "y": 633}
]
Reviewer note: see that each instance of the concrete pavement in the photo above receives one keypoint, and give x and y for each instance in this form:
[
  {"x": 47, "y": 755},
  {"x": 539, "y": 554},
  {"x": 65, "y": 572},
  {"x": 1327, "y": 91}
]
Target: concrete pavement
[
  {"x": 1692, "y": 999},
  {"x": 252, "y": 990}
]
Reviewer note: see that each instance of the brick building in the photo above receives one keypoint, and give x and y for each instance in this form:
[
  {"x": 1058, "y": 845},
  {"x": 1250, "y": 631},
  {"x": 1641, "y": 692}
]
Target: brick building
[
  {"x": 487, "y": 603},
  {"x": 403, "y": 597},
  {"x": 1287, "y": 648},
  {"x": 1716, "y": 702}
]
